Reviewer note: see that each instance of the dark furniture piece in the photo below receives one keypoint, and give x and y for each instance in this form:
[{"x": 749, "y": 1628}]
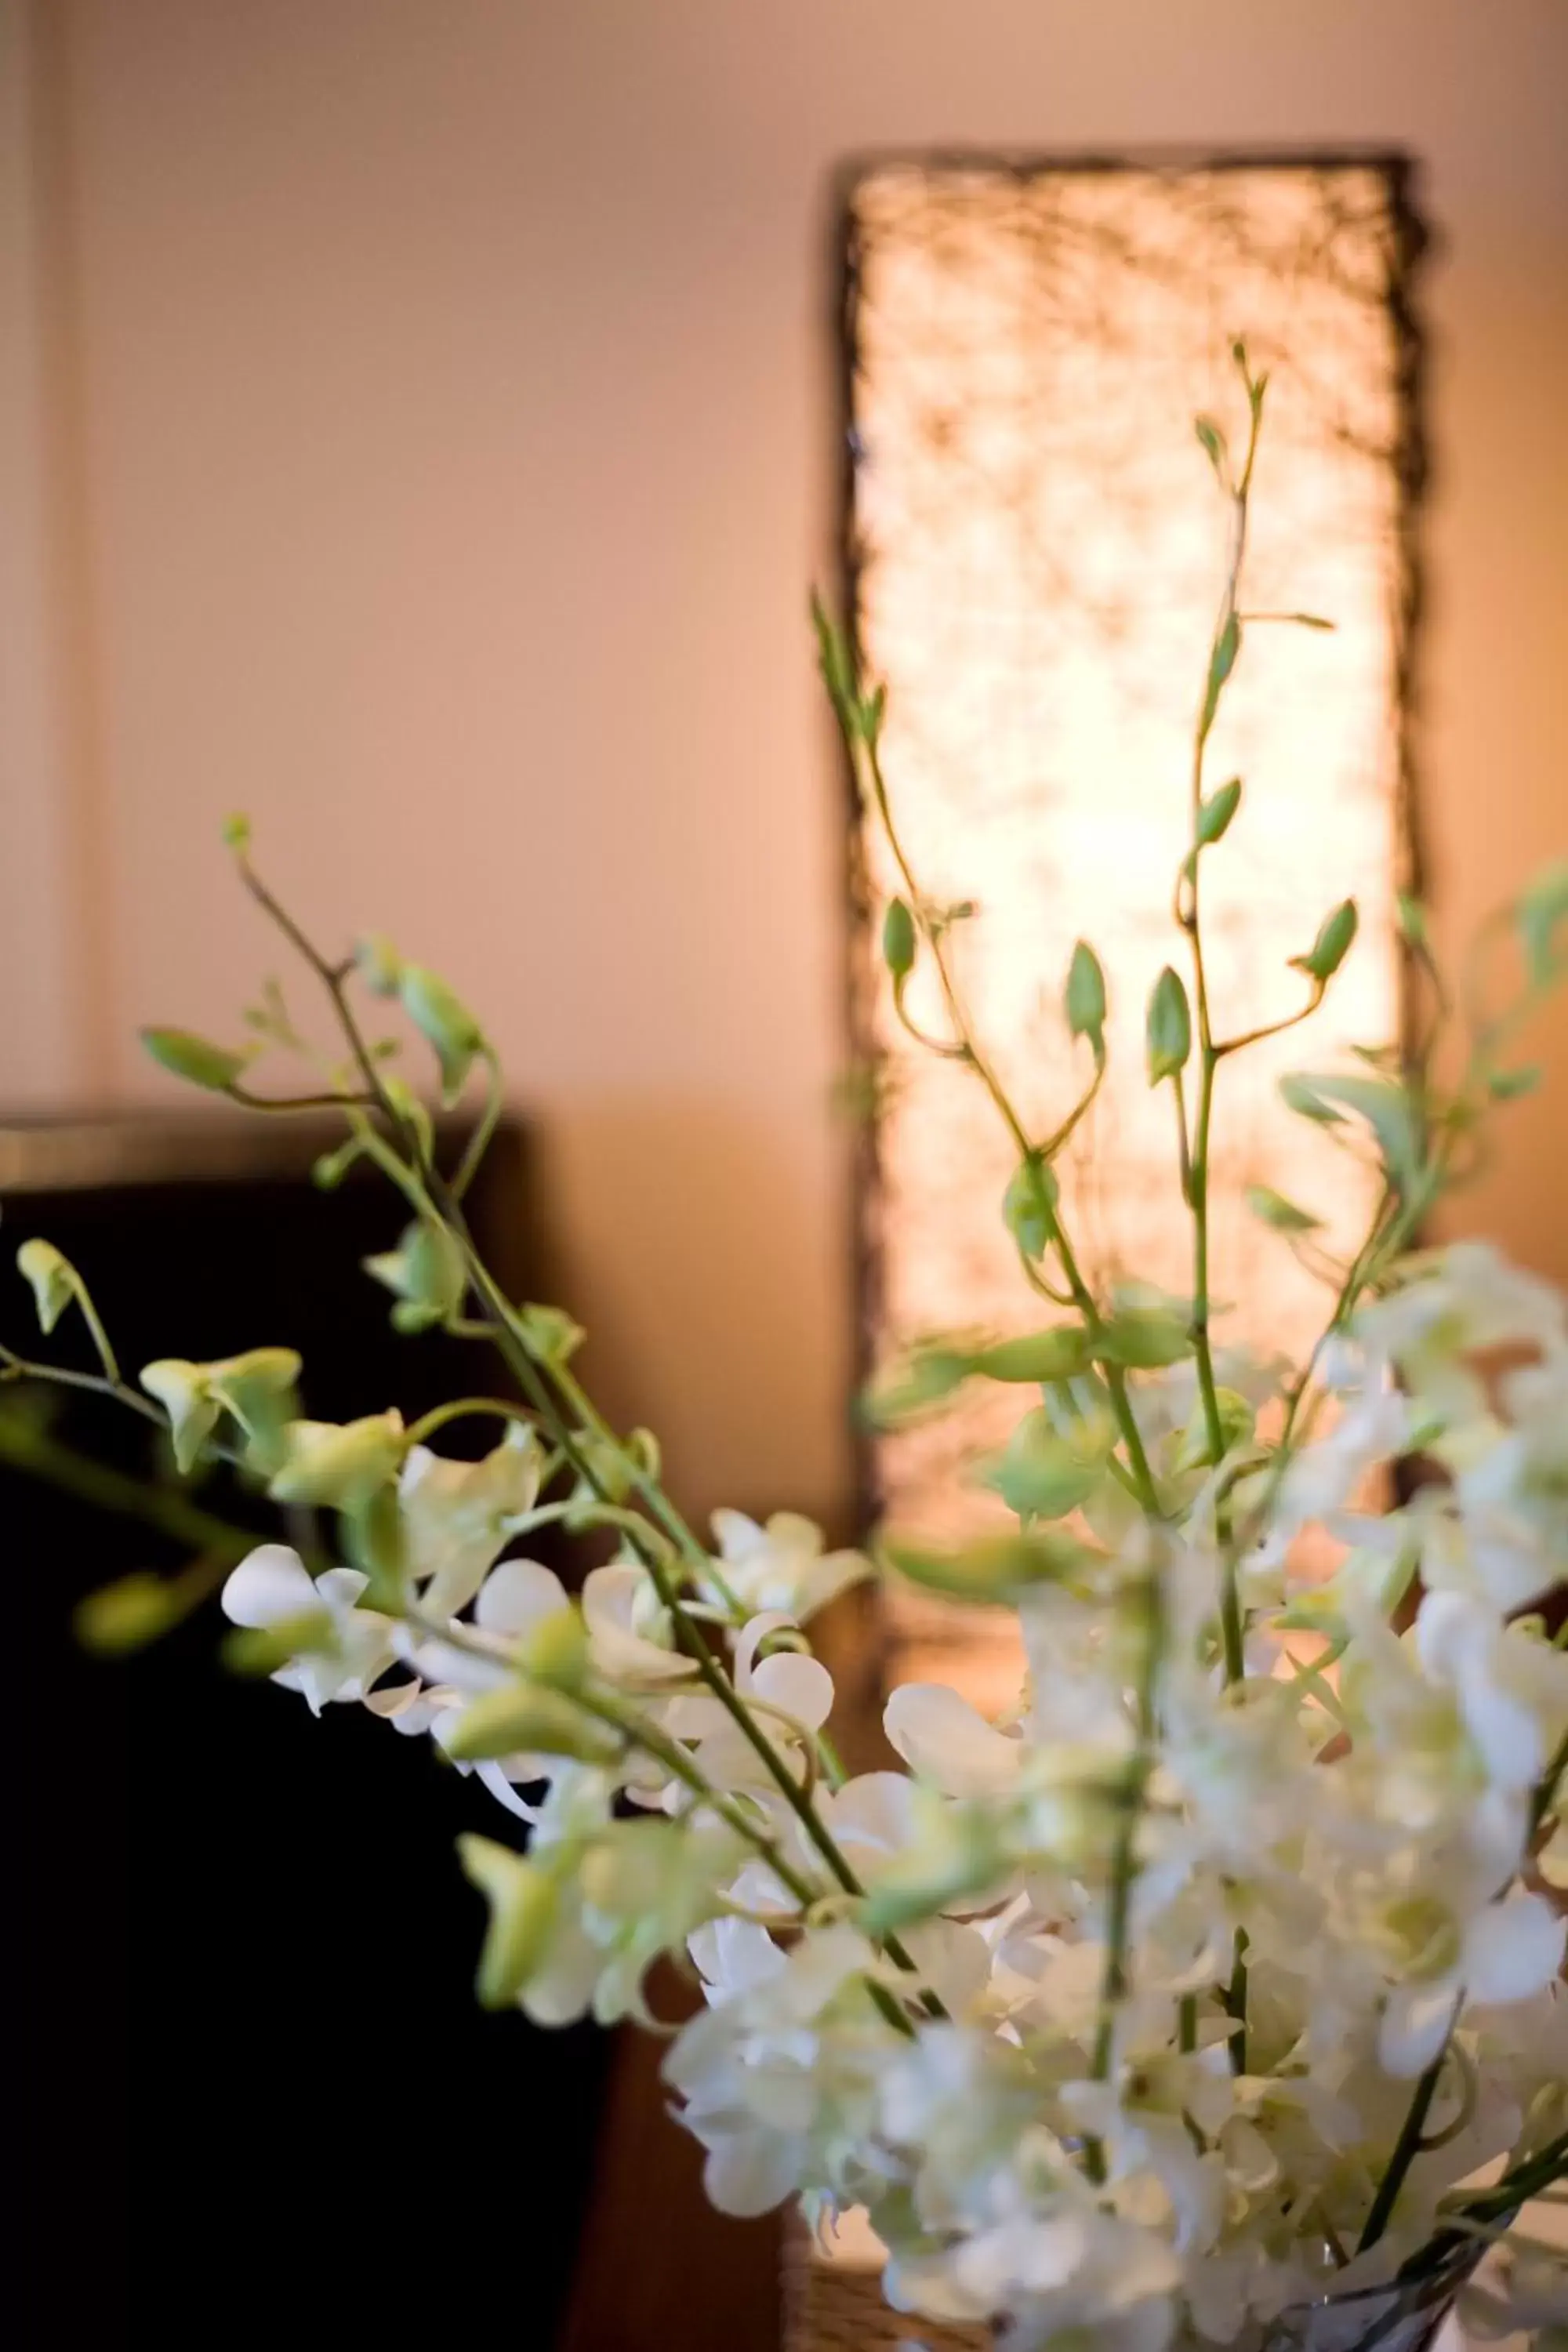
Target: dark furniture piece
[{"x": 252, "y": 2060}]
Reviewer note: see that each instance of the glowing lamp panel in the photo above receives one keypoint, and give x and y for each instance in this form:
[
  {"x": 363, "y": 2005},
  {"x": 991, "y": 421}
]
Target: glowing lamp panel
[{"x": 1038, "y": 545}]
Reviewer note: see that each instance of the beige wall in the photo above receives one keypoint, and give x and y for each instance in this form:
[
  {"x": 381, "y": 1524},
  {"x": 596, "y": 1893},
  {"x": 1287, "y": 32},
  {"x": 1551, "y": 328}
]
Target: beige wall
[{"x": 426, "y": 405}]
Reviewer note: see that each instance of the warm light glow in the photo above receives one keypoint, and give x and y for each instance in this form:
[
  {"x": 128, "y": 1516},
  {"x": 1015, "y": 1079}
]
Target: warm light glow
[{"x": 1038, "y": 552}]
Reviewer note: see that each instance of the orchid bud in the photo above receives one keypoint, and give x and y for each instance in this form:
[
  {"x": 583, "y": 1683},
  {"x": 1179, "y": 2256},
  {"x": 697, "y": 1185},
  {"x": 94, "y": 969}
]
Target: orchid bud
[
  {"x": 899, "y": 942},
  {"x": 1084, "y": 998},
  {"x": 1211, "y": 440},
  {"x": 1237, "y": 1422},
  {"x": 51, "y": 1277},
  {"x": 1336, "y": 934},
  {"x": 1144, "y": 1335},
  {"x": 425, "y": 1274},
  {"x": 259, "y": 1388},
  {"x": 445, "y": 1022},
  {"x": 1542, "y": 912},
  {"x": 928, "y": 1375},
  {"x": 996, "y": 1569},
  {"x": 1038, "y": 1475},
  {"x": 524, "y": 1902},
  {"x": 1058, "y": 1354},
  {"x": 549, "y": 1333},
  {"x": 266, "y": 1649},
  {"x": 555, "y": 1651},
  {"x": 196, "y": 1059},
  {"x": 342, "y": 1465},
  {"x": 127, "y": 1614},
  {"x": 1028, "y": 1206},
  {"x": 379, "y": 965},
  {"x": 184, "y": 1391},
  {"x": 1215, "y": 813},
  {"x": 523, "y": 1721},
  {"x": 377, "y": 1535},
  {"x": 1271, "y": 1208},
  {"x": 1169, "y": 1028}
]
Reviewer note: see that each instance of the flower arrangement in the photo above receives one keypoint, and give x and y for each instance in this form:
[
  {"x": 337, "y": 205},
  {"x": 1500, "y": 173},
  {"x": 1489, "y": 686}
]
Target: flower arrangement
[{"x": 1191, "y": 1999}]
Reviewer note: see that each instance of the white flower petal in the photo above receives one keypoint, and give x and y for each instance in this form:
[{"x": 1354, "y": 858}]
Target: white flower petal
[
  {"x": 750, "y": 2172},
  {"x": 947, "y": 1741},
  {"x": 271, "y": 1585},
  {"x": 1414, "y": 2027},
  {"x": 518, "y": 1595},
  {"x": 801, "y": 1687},
  {"x": 1513, "y": 1950}
]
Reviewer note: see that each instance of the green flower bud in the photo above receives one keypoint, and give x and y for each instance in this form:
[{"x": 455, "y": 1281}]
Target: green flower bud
[
  {"x": 379, "y": 965},
  {"x": 1084, "y": 998},
  {"x": 997, "y": 1569},
  {"x": 928, "y": 1375},
  {"x": 524, "y": 1905},
  {"x": 1038, "y": 1475},
  {"x": 342, "y": 1465},
  {"x": 1507, "y": 1085},
  {"x": 52, "y": 1278},
  {"x": 1060, "y": 1354},
  {"x": 445, "y": 1022},
  {"x": 259, "y": 1388},
  {"x": 262, "y": 1650},
  {"x": 184, "y": 1391},
  {"x": 554, "y": 1651},
  {"x": 1215, "y": 813},
  {"x": 644, "y": 1449},
  {"x": 194, "y": 1059},
  {"x": 521, "y": 1720},
  {"x": 1211, "y": 440},
  {"x": 1169, "y": 1028},
  {"x": 1383, "y": 1103},
  {"x": 1228, "y": 646},
  {"x": 1146, "y": 1331},
  {"x": 424, "y": 1273},
  {"x": 1271, "y": 1208},
  {"x": 1028, "y": 1206},
  {"x": 127, "y": 1614},
  {"x": 1541, "y": 913},
  {"x": 899, "y": 939},
  {"x": 549, "y": 1333},
  {"x": 236, "y": 831},
  {"x": 1413, "y": 928},
  {"x": 1237, "y": 1422},
  {"x": 377, "y": 1539},
  {"x": 331, "y": 1169},
  {"x": 1333, "y": 944}
]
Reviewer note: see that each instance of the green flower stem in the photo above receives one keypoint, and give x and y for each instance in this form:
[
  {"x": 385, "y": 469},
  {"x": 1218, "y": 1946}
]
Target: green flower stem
[
  {"x": 1195, "y": 1157},
  {"x": 90, "y": 1316},
  {"x": 484, "y": 1132},
  {"x": 13, "y": 1367},
  {"x": 428, "y": 1193},
  {"x": 676, "y": 1760},
  {"x": 683, "y": 1767},
  {"x": 467, "y": 1409},
  {"x": 1407, "y": 2146},
  {"x": 970, "y": 1050},
  {"x": 172, "y": 1512},
  {"x": 1114, "y": 1984}
]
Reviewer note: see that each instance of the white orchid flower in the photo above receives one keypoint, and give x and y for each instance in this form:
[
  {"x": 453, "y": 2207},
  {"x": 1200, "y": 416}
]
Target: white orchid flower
[
  {"x": 782, "y": 1565},
  {"x": 950, "y": 1743},
  {"x": 272, "y": 1588},
  {"x": 629, "y": 1635},
  {"x": 1513, "y": 1691},
  {"x": 1508, "y": 1950},
  {"x": 796, "y": 1691},
  {"x": 460, "y": 1515}
]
